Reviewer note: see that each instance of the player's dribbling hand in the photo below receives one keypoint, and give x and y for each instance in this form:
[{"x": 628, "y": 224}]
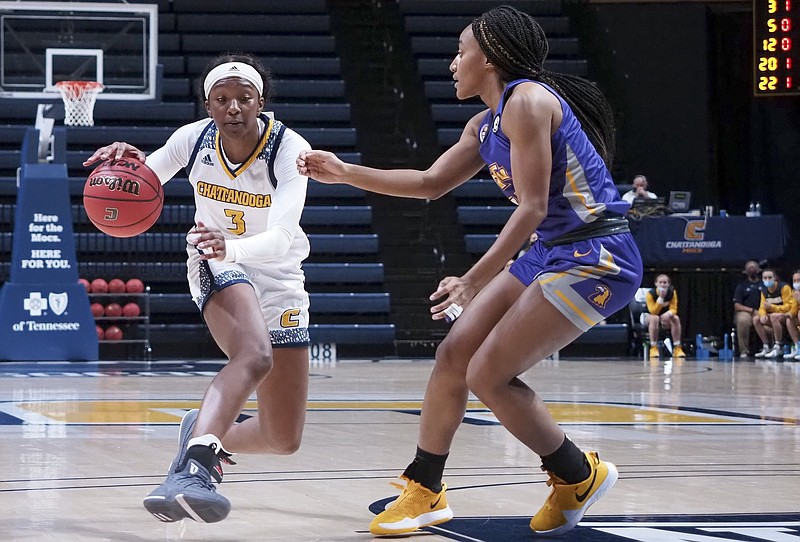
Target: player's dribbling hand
[
  {"x": 322, "y": 166},
  {"x": 115, "y": 151},
  {"x": 458, "y": 291},
  {"x": 211, "y": 242}
]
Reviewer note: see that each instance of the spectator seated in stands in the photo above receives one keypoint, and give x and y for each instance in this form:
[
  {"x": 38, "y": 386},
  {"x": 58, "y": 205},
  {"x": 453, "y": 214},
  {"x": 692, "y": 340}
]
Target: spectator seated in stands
[
  {"x": 746, "y": 300},
  {"x": 662, "y": 306},
  {"x": 794, "y": 321},
  {"x": 776, "y": 308},
  {"x": 639, "y": 190}
]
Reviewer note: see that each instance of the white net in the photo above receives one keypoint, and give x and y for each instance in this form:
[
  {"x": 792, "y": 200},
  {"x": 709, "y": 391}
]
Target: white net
[{"x": 79, "y": 98}]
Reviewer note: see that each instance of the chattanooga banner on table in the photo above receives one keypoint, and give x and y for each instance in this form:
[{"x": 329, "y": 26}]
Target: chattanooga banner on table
[{"x": 697, "y": 241}]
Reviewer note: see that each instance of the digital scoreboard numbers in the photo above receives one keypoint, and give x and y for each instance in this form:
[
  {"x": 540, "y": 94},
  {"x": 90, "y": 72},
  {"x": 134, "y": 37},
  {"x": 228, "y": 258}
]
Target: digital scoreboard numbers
[{"x": 776, "y": 39}]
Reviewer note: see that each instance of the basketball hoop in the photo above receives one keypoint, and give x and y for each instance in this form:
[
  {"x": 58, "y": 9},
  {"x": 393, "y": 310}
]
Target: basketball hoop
[{"x": 79, "y": 97}]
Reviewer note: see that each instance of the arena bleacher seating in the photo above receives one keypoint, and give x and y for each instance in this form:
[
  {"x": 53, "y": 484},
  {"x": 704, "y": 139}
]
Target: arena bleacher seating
[{"x": 344, "y": 277}]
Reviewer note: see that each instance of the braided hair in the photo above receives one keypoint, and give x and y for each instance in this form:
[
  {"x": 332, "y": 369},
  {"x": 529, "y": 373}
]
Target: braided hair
[{"x": 516, "y": 45}]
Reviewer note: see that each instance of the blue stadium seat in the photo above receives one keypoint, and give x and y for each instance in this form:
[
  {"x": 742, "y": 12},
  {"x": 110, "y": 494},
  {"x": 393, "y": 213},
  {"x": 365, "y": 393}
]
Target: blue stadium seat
[
  {"x": 259, "y": 43},
  {"x": 279, "y": 23},
  {"x": 352, "y": 333},
  {"x": 355, "y": 274},
  {"x": 328, "y": 303},
  {"x": 453, "y": 24},
  {"x": 281, "y": 66},
  {"x": 313, "y": 215},
  {"x": 246, "y": 6},
  {"x": 478, "y": 189},
  {"x": 180, "y": 187},
  {"x": 344, "y": 243},
  {"x": 479, "y": 243},
  {"x": 343, "y": 273},
  {"x": 440, "y": 67},
  {"x": 157, "y": 243},
  {"x": 9, "y": 159},
  {"x": 164, "y": 112},
  {"x": 474, "y": 7},
  {"x": 318, "y": 113},
  {"x": 484, "y": 215},
  {"x": 442, "y": 45},
  {"x": 152, "y": 137},
  {"x": 310, "y": 88}
]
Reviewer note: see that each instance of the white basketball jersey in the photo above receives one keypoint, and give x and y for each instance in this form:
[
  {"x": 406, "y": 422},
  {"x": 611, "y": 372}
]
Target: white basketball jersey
[{"x": 238, "y": 199}]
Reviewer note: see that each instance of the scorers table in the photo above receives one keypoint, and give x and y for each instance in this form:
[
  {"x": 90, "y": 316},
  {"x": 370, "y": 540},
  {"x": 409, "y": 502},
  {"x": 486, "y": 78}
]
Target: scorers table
[{"x": 709, "y": 241}]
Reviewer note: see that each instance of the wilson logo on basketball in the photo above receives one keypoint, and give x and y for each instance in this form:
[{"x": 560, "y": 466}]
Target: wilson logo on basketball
[
  {"x": 116, "y": 183},
  {"x": 127, "y": 164}
]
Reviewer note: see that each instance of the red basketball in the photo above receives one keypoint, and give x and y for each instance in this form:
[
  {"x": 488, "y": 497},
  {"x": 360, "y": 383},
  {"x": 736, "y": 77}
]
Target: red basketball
[
  {"x": 134, "y": 286},
  {"x": 123, "y": 197},
  {"x": 100, "y": 333},
  {"x": 116, "y": 286},
  {"x": 99, "y": 286},
  {"x": 131, "y": 309},
  {"x": 86, "y": 284},
  {"x": 113, "y": 333},
  {"x": 97, "y": 310},
  {"x": 113, "y": 310}
]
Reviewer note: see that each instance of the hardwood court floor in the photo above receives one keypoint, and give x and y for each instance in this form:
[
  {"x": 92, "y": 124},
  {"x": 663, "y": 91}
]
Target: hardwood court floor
[{"x": 707, "y": 451}]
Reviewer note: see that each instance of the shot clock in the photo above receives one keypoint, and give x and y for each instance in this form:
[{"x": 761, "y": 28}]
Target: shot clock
[{"x": 776, "y": 47}]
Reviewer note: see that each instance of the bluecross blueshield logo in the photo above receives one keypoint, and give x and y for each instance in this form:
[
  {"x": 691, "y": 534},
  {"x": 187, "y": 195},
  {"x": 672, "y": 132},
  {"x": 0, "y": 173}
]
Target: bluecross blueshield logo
[{"x": 34, "y": 304}]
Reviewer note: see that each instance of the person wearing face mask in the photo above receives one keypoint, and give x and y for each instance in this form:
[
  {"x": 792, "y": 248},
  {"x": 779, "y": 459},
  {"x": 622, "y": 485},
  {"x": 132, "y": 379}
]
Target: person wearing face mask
[
  {"x": 776, "y": 307},
  {"x": 662, "y": 304},
  {"x": 794, "y": 321},
  {"x": 746, "y": 300}
]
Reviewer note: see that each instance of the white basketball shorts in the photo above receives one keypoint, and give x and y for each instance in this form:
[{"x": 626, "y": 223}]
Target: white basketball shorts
[{"x": 280, "y": 291}]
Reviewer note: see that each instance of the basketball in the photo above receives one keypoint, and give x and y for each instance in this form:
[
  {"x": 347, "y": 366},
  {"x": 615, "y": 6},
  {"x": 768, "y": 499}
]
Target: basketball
[
  {"x": 86, "y": 284},
  {"x": 99, "y": 286},
  {"x": 123, "y": 198},
  {"x": 113, "y": 333},
  {"x": 97, "y": 310},
  {"x": 113, "y": 310},
  {"x": 134, "y": 286},
  {"x": 131, "y": 310},
  {"x": 116, "y": 286}
]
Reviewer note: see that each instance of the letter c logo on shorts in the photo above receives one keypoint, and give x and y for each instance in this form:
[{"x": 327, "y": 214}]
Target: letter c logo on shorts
[
  {"x": 695, "y": 230},
  {"x": 289, "y": 318}
]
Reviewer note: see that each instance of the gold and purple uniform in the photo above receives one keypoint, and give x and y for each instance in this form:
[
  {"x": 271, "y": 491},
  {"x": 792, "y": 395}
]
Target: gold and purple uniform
[{"x": 586, "y": 260}]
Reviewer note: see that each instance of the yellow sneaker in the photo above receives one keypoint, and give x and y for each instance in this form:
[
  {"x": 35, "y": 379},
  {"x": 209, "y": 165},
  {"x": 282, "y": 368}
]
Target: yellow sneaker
[
  {"x": 567, "y": 503},
  {"x": 678, "y": 352},
  {"x": 654, "y": 352},
  {"x": 416, "y": 507}
]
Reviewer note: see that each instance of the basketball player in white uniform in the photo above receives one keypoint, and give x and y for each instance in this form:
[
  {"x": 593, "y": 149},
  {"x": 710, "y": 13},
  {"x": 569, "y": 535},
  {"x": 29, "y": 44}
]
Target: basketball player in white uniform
[{"x": 244, "y": 257}]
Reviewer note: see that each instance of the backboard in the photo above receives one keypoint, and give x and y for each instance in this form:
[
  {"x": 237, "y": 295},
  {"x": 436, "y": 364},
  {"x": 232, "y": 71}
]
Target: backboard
[{"x": 42, "y": 43}]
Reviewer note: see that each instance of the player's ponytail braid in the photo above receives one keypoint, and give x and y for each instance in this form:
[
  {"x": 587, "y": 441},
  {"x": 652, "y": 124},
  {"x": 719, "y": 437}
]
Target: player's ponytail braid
[{"x": 516, "y": 45}]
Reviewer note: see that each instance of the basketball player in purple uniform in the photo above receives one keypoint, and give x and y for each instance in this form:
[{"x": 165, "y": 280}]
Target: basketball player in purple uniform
[{"x": 547, "y": 139}]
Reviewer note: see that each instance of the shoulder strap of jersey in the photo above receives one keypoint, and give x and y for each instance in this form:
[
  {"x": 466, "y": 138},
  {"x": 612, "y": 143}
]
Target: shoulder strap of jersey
[
  {"x": 270, "y": 166},
  {"x": 197, "y": 145}
]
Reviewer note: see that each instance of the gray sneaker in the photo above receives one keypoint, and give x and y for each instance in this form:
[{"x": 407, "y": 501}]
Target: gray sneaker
[
  {"x": 190, "y": 494},
  {"x": 184, "y": 436}
]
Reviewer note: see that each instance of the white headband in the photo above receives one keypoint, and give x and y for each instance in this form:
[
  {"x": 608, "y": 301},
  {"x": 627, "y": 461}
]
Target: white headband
[{"x": 233, "y": 69}]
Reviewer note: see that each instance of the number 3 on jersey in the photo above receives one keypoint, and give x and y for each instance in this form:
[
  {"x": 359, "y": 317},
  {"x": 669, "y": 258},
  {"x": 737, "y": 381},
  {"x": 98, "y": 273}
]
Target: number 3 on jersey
[{"x": 237, "y": 219}]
